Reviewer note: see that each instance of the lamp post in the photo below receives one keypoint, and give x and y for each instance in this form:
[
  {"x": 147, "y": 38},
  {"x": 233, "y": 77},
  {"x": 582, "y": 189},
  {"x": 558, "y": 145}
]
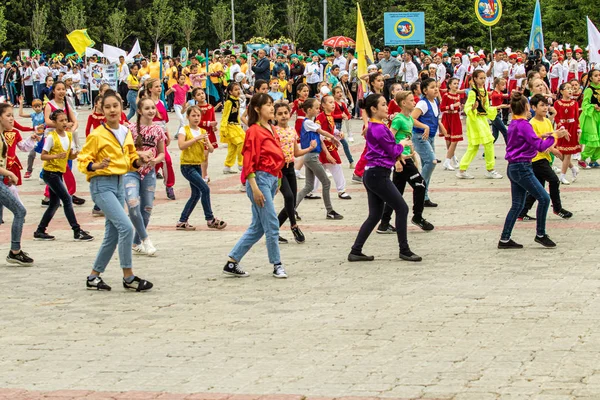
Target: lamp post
[
  {"x": 324, "y": 20},
  {"x": 232, "y": 23}
]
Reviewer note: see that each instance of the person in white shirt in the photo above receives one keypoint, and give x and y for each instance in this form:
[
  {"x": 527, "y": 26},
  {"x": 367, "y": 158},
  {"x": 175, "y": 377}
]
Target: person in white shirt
[
  {"x": 460, "y": 72},
  {"x": 28, "y": 83},
  {"x": 572, "y": 67},
  {"x": 314, "y": 75},
  {"x": 440, "y": 74},
  {"x": 521, "y": 73},
  {"x": 498, "y": 68},
  {"x": 556, "y": 74},
  {"x": 123, "y": 74},
  {"x": 581, "y": 63},
  {"x": 339, "y": 60},
  {"x": 408, "y": 70}
]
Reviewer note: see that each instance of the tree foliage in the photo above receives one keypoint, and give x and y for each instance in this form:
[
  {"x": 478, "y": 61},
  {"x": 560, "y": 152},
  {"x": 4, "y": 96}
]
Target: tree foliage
[
  {"x": 117, "y": 30},
  {"x": 446, "y": 21}
]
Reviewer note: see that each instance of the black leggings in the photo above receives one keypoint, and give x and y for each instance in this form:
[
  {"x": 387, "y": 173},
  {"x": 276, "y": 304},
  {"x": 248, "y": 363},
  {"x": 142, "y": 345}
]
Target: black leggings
[
  {"x": 289, "y": 190},
  {"x": 410, "y": 174},
  {"x": 381, "y": 191}
]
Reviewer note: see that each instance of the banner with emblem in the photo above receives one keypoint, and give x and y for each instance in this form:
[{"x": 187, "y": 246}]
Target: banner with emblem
[
  {"x": 488, "y": 12},
  {"x": 404, "y": 28},
  {"x": 102, "y": 73}
]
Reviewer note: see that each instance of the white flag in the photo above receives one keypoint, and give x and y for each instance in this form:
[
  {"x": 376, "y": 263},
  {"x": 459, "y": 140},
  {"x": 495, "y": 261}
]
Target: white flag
[
  {"x": 594, "y": 42},
  {"x": 113, "y": 53},
  {"x": 135, "y": 50},
  {"x": 93, "y": 52}
]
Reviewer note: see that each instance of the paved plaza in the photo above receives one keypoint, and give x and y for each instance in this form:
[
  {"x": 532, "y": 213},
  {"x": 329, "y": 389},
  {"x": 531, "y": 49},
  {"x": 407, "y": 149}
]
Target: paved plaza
[{"x": 468, "y": 323}]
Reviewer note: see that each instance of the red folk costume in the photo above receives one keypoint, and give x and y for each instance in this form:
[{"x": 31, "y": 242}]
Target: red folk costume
[
  {"x": 339, "y": 111},
  {"x": 328, "y": 125},
  {"x": 94, "y": 121},
  {"x": 300, "y": 114},
  {"x": 451, "y": 117},
  {"x": 208, "y": 116},
  {"x": 567, "y": 115},
  {"x": 554, "y": 76},
  {"x": 393, "y": 109},
  {"x": 13, "y": 140}
]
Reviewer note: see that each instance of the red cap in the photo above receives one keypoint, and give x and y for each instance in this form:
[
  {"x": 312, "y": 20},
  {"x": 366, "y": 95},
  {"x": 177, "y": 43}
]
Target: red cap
[
  {"x": 475, "y": 59},
  {"x": 513, "y": 56},
  {"x": 457, "y": 55},
  {"x": 569, "y": 50},
  {"x": 578, "y": 51},
  {"x": 519, "y": 59}
]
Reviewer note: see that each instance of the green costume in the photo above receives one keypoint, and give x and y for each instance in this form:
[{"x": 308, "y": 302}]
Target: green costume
[{"x": 589, "y": 121}]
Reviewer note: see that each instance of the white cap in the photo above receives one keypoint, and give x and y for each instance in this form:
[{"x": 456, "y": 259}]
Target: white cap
[
  {"x": 343, "y": 73},
  {"x": 432, "y": 65},
  {"x": 372, "y": 67},
  {"x": 66, "y": 77},
  {"x": 325, "y": 91}
]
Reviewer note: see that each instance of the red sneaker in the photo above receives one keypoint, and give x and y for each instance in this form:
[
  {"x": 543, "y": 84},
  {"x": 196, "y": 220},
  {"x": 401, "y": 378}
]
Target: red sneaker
[
  {"x": 583, "y": 164},
  {"x": 27, "y": 175}
]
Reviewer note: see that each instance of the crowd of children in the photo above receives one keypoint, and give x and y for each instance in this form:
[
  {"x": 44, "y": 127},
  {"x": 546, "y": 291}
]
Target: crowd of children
[{"x": 554, "y": 115}]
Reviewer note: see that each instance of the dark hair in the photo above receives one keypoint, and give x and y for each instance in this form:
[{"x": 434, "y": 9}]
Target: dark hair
[
  {"x": 308, "y": 104},
  {"x": 537, "y": 99},
  {"x": 335, "y": 67},
  {"x": 497, "y": 81},
  {"x": 3, "y": 108},
  {"x": 280, "y": 104},
  {"x": 259, "y": 83},
  {"x": 196, "y": 90},
  {"x": 138, "y": 112},
  {"x": 518, "y": 103},
  {"x": 372, "y": 100},
  {"x": 193, "y": 108},
  {"x": 111, "y": 93},
  {"x": 300, "y": 87},
  {"x": 451, "y": 80},
  {"x": 56, "y": 113},
  {"x": 230, "y": 88},
  {"x": 336, "y": 88},
  {"x": 134, "y": 65},
  {"x": 561, "y": 88},
  {"x": 425, "y": 84},
  {"x": 48, "y": 77},
  {"x": 98, "y": 99},
  {"x": 414, "y": 86},
  {"x": 372, "y": 78},
  {"x": 257, "y": 101},
  {"x": 51, "y": 96}
]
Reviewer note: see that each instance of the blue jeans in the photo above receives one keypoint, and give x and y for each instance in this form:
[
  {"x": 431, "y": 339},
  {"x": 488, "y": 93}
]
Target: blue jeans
[
  {"x": 523, "y": 181},
  {"x": 264, "y": 221},
  {"x": 338, "y": 126},
  {"x": 139, "y": 195},
  {"x": 58, "y": 193},
  {"x": 108, "y": 192},
  {"x": 8, "y": 200},
  {"x": 498, "y": 127},
  {"x": 132, "y": 101},
  {"x": 426, "y": 150},
  {"x": 200, "y": 191}
]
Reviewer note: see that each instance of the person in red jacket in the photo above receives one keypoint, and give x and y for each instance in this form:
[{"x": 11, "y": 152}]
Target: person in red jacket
[
  {"x": 451, "y": 107},
  {"x": 261, "y": 172}
]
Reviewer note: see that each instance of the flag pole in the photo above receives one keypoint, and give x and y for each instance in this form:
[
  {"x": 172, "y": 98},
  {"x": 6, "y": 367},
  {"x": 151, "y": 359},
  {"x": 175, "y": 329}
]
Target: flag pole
[{"x": 491, "y": 43}]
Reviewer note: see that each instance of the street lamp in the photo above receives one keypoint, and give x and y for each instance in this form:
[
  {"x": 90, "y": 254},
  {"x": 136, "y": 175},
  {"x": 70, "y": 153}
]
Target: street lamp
[
  {"x": 324, "y": 20},
  {"x": 232, "y": 23}
]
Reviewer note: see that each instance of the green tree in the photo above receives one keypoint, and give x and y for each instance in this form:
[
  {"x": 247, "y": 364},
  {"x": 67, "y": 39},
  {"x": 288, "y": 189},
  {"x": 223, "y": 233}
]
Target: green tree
[
  {"x": 296, "y": 16},
  {"x": 117, "y": 30},
  {"x": 39, "y": 27},
  {"x": 73, "y": 16},
  {"x": 159, "y": 19},
  {"x": 187, "y": 23},
  {"x": 221, "y": 21},
  {"x": 264, "y": 17}
]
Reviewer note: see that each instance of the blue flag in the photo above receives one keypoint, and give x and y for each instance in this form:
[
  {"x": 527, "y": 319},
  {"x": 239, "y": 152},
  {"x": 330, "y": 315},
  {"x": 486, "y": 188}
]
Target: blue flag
[{"x": 536, "y": 37}]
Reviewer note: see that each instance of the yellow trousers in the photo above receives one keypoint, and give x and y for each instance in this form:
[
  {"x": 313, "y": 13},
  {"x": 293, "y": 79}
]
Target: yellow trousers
[
  {"x": 234, "y": 151},
  {"x": 472, "y": 150}
]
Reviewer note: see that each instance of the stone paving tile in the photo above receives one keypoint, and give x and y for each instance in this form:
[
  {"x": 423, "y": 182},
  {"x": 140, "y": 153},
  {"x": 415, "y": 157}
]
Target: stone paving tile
[{"x": 469, "y": 322}]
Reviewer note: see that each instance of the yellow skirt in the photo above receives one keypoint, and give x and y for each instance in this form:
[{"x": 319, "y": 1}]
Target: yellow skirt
[{"x": 233, "y": 134}]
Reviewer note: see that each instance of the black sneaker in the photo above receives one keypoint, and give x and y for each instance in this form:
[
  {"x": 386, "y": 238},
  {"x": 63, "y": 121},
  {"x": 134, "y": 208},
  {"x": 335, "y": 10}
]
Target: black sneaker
[
  {"x": 564, "y": 214},
  {"x": 385, "y": 229},
  {"x": 297, "y": 216},
  {"x": 359, "y": 257},
  {"x": 159, "y": 176},
  {"x": 429, "y": 203},
  {"x": 42, "y": 236},
  {"x": 511, "y": 244},
  {"x": 138, "y": 284},
  {"x": 312, "y": 196},
  {"x": 96, "y": 284},
  {"x": 283, "y": 240},
  {"x": 298, "y": 235},
  {"x": 525, "y": 218},
  {"x": 334, "y": 215},
  {"x": 45, "y": 203},
  {"x": 545, "y": 241},
  {"x": 422, "y": 223},
  {"x": 82, "y": 236},
  {"x": 408, "y": 255},
  {"x": 233, "y": 269},
  {"x": 21, "y": 258},
  {"x": 78, "y": 201}
]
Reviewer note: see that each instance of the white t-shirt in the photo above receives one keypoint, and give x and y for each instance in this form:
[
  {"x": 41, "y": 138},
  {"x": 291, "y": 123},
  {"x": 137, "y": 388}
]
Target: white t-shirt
[
  {"x": 64, "y": 141},
  {"x": 422, "y": 105},
  {"x": 28, "y": 77},
  {"x": 340, "y": 62},
  {"x": 195, "y": 132},
  {"x": 499, "y": 68},
  {"x": 120, "y": 133},
  {"x": 310, "y": 125}
]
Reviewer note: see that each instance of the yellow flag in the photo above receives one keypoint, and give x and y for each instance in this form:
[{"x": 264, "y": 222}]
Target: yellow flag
[
  {"x": 363, "y": 46},
  {"x": 79, "y": 39}
]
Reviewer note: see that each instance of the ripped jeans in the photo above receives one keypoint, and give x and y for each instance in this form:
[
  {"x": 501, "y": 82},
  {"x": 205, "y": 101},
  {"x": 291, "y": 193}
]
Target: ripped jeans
[{"x": 139, "y": 197}]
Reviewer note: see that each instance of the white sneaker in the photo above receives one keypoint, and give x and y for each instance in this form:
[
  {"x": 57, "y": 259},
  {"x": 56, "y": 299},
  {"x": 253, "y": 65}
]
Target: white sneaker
[
  {"x": 299, "y": 175},
  {"x": 447, "y": 165},
  {"x": 138, "y": 249},
  {"x": 464, "y": 175},
  {"x": 455, "y": 162},
  {"x": 328, "y": 173},
  {"x": 575, "y": 172},
  {"x": 555, "y": 169},
  {"x": 493, "y": 175},
  {"x": 240, "y": 168},
  {"x": 351, "y": 138},
  {"x": 149, "y": 247},
  {"x": 229, "y": 170},
  {"x": 279, "y": 272},
  {"x": 563, "y": 180}
]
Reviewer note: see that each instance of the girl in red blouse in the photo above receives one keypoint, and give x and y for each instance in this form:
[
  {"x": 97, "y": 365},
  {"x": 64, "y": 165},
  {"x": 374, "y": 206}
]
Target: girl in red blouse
[
  {"x": 96, "y": 118},
  {"x": 450, "y": 107},
  {"x": 567, "y": 116},
  {"x": 302, "y": 93},
  {"x": 497, "y": 97},
  {"x": 341, "y": 114},
  {"x": 263, "y": 161}
]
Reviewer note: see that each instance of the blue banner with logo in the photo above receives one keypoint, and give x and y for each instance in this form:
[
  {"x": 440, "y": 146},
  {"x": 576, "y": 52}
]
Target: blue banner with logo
[{"x": 404, "y": 28}]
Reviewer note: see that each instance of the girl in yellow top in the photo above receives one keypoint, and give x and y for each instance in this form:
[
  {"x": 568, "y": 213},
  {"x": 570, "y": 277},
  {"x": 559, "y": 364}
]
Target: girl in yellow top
[
  {"x": 193, "y": 141},
  {"x": 478, "y": 112},
  {"x": 58, "y": 149},
  {"x": 108, "y": 154},
  {"x": 231, "y": 130}
]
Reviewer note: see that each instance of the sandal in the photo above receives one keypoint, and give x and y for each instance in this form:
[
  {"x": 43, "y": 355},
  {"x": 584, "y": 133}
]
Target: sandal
[
  {"x": 216, "y": 224},
  {"x": 184, "y": 226}
]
